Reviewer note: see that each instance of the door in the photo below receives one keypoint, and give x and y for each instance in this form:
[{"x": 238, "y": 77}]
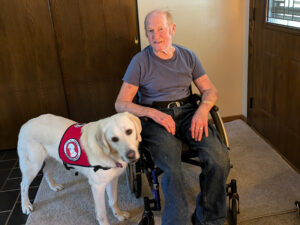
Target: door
[
  {"x": 96, "y": 41},
  {"x": 274, "y": 82},
  {"x": 65, "y": 57}
]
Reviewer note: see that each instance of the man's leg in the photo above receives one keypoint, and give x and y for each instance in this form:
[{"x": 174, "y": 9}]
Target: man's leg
[
  {"x": 213, "y": 155},
  {"x": 165, "y": 150}
]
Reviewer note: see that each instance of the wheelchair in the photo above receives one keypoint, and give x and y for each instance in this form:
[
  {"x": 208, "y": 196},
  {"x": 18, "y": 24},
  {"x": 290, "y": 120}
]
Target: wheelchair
[{"x": 146, "y": 165}]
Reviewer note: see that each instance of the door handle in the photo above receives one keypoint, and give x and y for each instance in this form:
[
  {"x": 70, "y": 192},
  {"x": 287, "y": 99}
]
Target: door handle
[{"x": 136, "y": 40}]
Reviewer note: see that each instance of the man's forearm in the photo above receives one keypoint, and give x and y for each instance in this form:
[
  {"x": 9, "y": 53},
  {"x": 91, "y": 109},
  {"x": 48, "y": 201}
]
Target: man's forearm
[
  {"x": 138, "y": 110},
  {"x": 209, "y": 99}
]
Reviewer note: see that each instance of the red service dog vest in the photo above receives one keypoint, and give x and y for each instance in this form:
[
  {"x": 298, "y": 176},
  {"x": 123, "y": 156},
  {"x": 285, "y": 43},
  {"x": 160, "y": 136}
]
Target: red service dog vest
[{"x": 70, "y": 151}]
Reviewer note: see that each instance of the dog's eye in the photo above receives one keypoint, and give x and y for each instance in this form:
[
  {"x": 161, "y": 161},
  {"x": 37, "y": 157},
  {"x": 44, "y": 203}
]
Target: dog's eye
[
  {"x": 115, "y": 139},
  {"x": 129, "y": 131}
]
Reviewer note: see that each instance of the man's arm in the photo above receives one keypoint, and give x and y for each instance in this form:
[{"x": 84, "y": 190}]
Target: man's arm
[
  {"x": 124, "y": 104},
  {"x": 124, "y": 101},
  {"x": 209, "y": 97}
]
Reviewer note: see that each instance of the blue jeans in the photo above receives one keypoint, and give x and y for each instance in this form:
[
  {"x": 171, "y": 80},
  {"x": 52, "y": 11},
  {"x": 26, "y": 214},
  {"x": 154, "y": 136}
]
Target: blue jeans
[{"x": 166, "y": 149}]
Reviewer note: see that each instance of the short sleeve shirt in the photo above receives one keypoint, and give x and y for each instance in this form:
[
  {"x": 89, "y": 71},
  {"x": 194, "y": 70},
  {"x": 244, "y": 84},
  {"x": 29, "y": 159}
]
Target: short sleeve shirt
[{"x": 163, "y": 80}]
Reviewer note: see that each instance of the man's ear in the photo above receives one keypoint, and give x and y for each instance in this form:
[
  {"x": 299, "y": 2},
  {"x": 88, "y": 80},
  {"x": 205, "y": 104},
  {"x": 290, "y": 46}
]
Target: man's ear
[
  {"x": 137, "y": 124},
  {"x": 172, "y": 28}
]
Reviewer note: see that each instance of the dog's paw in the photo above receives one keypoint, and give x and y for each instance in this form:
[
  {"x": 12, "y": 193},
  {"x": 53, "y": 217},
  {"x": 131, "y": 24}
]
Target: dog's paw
[
  {"x": 27, "y": 208},
  {"x": 57, "y": 187},
  {"x": 103, "y": 221},
  {"x": 122, "y": 215}
]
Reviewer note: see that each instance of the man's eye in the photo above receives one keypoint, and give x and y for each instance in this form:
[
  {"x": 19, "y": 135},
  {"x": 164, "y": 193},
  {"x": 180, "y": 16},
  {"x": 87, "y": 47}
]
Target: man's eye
[
  {"x": 128, "y": 132},
  {"x": 115, "y": 139}
]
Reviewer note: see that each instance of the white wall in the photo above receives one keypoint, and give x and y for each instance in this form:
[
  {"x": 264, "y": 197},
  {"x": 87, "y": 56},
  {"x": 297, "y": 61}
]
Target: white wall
[{"x": 217, "y": 31}]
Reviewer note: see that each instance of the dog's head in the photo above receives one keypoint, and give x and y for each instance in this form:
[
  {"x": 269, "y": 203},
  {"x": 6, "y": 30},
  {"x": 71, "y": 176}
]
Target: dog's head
[{"x": 120, "y": 135}]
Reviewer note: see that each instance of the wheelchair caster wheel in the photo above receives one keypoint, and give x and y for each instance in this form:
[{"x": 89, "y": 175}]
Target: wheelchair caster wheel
[
  {"x": 233, "y": 201},
  {"x": 147, "y": 218}
]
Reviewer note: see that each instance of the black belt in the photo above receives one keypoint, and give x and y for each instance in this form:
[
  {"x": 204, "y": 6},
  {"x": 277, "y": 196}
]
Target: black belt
[{"x": 171, "y": 104}]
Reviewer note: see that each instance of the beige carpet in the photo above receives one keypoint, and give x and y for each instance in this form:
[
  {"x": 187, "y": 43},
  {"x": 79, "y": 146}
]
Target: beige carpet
[{"x": 266, "y": 185}]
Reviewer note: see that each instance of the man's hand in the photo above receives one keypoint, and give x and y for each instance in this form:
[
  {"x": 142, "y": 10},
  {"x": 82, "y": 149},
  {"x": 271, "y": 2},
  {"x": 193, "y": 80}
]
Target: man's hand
[
  {"x": 199, "y": 124},
  {"x": 124, "y": 104},
  {"x": 163, "y": 119}
]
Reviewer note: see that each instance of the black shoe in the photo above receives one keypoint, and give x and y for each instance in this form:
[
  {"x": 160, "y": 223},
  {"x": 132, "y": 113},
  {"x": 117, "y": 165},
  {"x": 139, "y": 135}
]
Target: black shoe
[
  {"x": 194, "y": 219},
  {"x": 147, "y": 218}
]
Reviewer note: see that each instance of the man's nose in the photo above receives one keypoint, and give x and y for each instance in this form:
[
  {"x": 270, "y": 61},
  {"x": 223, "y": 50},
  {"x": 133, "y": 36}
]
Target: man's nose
[{"x": 155, "y": 34}]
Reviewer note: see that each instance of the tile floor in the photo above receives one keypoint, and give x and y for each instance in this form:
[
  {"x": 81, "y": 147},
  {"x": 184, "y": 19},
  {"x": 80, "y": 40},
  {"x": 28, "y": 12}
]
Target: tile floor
[{"x": 10, "y": 178}]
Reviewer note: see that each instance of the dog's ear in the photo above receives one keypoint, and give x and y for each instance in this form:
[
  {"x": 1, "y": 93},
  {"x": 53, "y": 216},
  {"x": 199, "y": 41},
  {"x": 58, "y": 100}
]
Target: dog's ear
[
  {"x": 101, "y": 138},
  {"x": 137, "y": 124}
]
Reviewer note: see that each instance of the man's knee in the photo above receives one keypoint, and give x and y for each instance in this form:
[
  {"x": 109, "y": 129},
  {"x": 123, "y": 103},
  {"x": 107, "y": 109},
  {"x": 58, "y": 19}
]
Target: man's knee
[
  {"x": 165, "y": 156},
  {"x": 216, "y": 153},
  {"x": 219, "y": 164},
  {"x": 165, "y": 149}
]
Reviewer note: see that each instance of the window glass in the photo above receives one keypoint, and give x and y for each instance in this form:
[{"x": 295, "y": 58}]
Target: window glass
[{"x": 284, "y": 12}]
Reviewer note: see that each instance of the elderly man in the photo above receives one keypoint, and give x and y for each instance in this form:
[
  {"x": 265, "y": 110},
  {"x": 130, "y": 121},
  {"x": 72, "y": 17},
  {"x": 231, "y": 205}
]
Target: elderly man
[{"x": 161, "y": 74}]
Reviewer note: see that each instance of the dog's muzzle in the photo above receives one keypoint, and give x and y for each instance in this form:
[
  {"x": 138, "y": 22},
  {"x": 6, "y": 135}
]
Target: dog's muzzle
[{"x": 130, "y": 154}]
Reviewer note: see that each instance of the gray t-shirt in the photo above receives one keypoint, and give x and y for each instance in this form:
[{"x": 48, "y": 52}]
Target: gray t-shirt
[{"x": 163, "y": 80}]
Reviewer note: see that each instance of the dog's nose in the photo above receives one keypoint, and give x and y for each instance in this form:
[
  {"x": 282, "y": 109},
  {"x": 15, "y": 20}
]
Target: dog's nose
[{"x": 130, "y": 154}]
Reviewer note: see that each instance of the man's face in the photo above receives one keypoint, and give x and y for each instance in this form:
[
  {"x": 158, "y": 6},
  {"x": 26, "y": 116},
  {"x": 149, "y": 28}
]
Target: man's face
[{"x": 159, "y": 32}]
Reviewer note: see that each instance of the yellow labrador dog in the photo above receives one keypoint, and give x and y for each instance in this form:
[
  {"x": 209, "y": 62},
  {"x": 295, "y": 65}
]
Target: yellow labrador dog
[{"x": 100, "y": 150}]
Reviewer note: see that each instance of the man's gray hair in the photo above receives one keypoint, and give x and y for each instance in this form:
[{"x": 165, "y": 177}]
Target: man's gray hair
[{"x": 167, "y": 13}]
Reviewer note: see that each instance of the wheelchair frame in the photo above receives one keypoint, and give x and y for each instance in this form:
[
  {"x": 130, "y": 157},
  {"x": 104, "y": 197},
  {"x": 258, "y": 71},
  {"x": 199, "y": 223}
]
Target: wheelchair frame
[{"x": 146, "y": 165}]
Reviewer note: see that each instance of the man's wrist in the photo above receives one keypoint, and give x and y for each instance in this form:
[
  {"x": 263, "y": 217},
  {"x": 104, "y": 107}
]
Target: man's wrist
[
  {"x": 148, "y": 112},
  {"x": 204, "y": 108},
  {"x": 210, "y": 103}
]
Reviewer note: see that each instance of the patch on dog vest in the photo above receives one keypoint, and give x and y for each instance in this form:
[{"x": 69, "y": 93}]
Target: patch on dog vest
[{"x": 70, "y": 151}]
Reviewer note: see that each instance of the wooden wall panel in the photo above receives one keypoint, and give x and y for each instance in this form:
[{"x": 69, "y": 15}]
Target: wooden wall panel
[
  {"x": 30, "y": 76},
  {"x": 95, "y": 43}
]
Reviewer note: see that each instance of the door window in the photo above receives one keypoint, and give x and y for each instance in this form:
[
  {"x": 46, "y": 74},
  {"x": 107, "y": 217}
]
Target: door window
[{"x": 284, "y": 12}]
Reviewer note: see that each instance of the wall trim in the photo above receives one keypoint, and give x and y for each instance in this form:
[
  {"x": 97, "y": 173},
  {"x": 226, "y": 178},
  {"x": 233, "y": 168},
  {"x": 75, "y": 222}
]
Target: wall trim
[{"x": 236, "y": 117}]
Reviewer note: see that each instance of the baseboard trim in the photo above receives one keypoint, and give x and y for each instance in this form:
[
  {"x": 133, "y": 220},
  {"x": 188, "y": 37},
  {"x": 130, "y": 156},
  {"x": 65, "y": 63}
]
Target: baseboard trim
[{"x": 231, "y": 118}]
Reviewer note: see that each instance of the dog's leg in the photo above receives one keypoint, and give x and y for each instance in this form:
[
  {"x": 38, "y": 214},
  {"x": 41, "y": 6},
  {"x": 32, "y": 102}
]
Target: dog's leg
[
  {"x": 48, "y": 175},
  {"x": 26, "y": 204},
  {"x": 29, "y": 171},
  {"x": 112, "y": 192},
  {"x": 99, "y": 199}
]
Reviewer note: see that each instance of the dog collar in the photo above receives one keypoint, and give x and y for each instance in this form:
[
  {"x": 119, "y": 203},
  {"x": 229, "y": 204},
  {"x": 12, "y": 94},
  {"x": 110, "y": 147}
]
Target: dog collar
[{"x": 70, "y": 150}]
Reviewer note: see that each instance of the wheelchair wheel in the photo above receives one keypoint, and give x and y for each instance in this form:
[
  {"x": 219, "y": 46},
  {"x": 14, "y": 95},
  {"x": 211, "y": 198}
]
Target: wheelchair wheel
[
  {"x": 219, "y": 125},
  {"x": 129, "y": 177},
  {"x": 234, "y": 211},
  {"x": 134, "y": 179}
]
